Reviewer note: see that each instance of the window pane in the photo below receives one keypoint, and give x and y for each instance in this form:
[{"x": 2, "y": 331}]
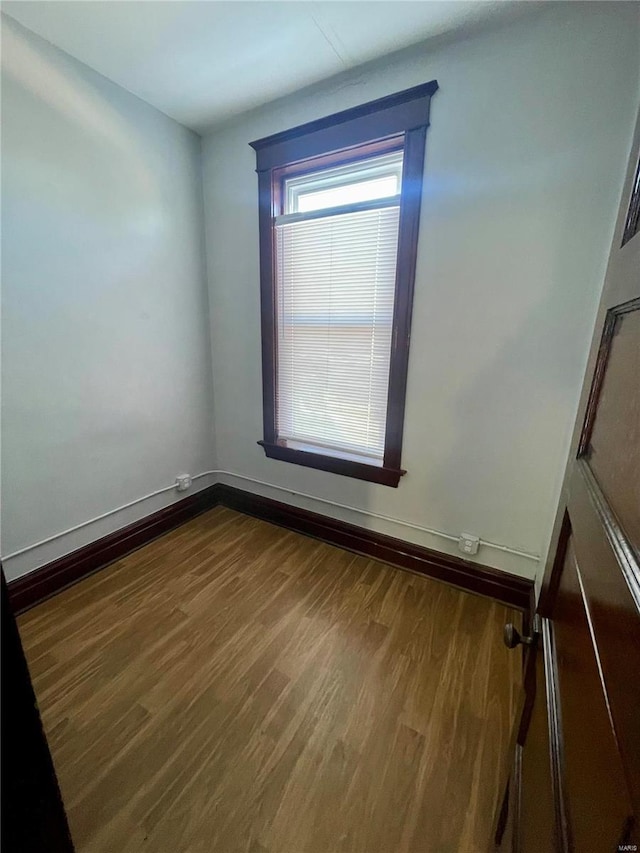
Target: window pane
[
  {"x": 366, "y": 180},
  {"x": 348, "y": 194}
]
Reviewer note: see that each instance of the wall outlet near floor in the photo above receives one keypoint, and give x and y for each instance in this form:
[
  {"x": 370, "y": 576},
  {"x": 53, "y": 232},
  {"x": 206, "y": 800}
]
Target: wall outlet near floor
[
  {"x": 183, "y": 481},
  {"x": 468, "y": 543}
]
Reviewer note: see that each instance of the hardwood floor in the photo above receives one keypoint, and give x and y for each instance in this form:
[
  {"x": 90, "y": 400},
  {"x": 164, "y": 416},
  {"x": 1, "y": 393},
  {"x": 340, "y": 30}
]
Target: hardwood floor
[{"x": 234, "y": 686}]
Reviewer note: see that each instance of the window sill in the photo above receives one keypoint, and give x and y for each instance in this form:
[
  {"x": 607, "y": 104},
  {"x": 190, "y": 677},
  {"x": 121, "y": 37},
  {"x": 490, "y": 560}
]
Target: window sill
[{"x": 333, "y": 464}]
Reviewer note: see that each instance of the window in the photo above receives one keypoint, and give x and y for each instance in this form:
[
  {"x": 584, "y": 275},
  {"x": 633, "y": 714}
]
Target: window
[{"x": 339, "y": 215}]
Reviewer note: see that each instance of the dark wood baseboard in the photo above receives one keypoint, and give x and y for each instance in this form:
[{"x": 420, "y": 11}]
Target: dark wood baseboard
[
  {"x": 31, "y": 589},
  {"x": 44, "y": 582},
  {"x": 472, "y": 577}
]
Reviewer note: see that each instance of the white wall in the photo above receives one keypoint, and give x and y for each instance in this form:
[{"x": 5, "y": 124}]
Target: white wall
[
  {"x": 106, "y": 360},
  {"x": 525, "y": 161}
]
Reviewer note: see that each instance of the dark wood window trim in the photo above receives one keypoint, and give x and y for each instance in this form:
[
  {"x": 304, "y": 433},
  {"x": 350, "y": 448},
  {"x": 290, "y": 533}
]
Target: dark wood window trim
[{"x": 392, "y": 122}]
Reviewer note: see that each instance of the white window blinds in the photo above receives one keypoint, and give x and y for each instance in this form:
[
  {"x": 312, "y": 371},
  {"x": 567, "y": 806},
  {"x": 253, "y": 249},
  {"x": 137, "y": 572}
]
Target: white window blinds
[{"x": 335, "y": 277}]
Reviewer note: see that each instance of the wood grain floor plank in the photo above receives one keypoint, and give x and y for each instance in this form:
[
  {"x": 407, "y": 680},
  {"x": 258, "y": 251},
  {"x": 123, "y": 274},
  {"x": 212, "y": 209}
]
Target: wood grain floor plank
[{"x": 236, "y": 687}]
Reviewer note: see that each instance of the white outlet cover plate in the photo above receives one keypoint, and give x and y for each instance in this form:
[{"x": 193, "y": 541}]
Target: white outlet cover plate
[{"x": 468, "y": 543}]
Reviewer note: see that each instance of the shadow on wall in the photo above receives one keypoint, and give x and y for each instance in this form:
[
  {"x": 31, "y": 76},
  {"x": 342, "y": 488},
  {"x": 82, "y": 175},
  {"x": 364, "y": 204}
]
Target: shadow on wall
[
  {"x": 509, "y": 423},
  {"x": 72, "y": 101}
]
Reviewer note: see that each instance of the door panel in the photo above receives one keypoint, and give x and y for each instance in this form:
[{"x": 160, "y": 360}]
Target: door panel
[
  {"x": 612, "y": 440},
  {"x": 608, "y": 573},
  {"x": 594, "y": 784}
]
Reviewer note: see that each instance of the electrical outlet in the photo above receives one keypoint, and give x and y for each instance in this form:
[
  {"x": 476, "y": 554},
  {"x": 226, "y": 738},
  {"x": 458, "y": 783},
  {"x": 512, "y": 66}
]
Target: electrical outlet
[
  {"x": 468, "y": 543},
  {"x": 183, "y": 481}
]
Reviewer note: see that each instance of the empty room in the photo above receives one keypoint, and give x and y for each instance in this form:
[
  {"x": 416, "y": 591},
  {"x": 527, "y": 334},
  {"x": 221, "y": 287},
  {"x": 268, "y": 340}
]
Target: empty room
[{"x": 320, "y": 460}]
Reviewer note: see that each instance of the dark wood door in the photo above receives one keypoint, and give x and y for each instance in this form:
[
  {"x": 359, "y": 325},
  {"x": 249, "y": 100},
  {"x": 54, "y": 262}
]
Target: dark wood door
[
  {"x": 535, "y": 822},
  {"x": 577, "y": 768},
  {"x": 33, "y": 816}
]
